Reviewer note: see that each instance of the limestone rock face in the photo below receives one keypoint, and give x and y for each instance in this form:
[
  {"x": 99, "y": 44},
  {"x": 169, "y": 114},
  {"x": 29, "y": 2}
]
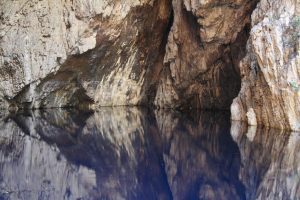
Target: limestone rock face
[
  {"x": 59, "y": 53},
  {"x": 110, "y": 52},
  {"x": 204, "y": 47},
  {"x": 170, "y": 53},
  {"x": 270, "y": 72}
]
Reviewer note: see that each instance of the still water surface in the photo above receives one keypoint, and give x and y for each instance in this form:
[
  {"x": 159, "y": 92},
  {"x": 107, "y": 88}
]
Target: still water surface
[{"x": 135, "y": 154}]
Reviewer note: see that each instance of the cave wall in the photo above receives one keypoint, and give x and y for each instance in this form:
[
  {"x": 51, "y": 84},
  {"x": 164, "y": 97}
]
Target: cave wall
[
  {"x": 70, "y": 53},
  {"x": 270, "y": 72},
  {"x": 177, "y": 54},
  {"x": 181, "y": 54},
  {"x": 204, "y": 47}
]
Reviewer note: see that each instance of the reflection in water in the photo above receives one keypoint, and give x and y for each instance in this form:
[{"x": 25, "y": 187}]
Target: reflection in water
[
  {"x": 105, "y": 155},
  {"x": 202, "y": 161},
  {"x": 129, "y": 153},
  {"x": 270, "y": 167}
]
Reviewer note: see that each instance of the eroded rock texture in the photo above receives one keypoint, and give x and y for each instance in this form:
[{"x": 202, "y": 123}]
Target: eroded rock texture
[
  {"x": 59, "y": 53},
  {"x": 103, "y": 53},
  {"x": 270, "y": 72},
  {"x": 204, "y": 47},
  {"x": 179, "y": 54}
]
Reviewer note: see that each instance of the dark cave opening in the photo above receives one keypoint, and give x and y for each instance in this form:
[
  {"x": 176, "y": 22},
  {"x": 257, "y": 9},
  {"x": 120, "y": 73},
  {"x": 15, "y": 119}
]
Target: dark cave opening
[
  {"x": 220, "y": 84},
  {"x": 152, "y": 79}
]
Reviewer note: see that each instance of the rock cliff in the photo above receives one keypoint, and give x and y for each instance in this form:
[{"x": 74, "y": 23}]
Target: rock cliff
[
  {"x": 205, "y": 44},
  {"x": 270, "y": 72},
  {"x": 181, "y": 54},
  {"x": 66, "y": 53}
]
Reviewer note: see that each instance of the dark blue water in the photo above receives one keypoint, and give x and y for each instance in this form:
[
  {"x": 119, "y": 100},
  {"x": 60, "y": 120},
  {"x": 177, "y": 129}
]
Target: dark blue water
[{"x": 131, "y": 153}]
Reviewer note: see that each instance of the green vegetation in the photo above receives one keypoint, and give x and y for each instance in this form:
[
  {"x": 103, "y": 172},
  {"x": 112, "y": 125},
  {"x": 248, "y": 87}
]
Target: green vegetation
[
  {"x": 296, "y": 22},
  {"x": 296, "y": 27},
  {"x": 295, "y": 86},
  {"x": 295, "y": 35}
]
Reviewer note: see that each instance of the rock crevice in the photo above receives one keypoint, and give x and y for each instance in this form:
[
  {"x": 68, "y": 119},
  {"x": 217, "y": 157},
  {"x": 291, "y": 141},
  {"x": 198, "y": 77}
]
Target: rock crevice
[{"x": 205, "y": 45}]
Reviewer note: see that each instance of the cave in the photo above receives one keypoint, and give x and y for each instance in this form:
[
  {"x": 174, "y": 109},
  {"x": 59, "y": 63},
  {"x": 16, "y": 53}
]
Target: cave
[
  {"x": 149, "y": 99},
  {"x": 176, "y": 61}
]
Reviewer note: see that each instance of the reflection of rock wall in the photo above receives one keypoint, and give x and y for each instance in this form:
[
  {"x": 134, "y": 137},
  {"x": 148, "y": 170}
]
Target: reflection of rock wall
[
  {"x": 124, "y": 153},
  {"x": 201, "y": 159},
  {"x": 120, "y": 127},
  {"x": 31, "y": 169},
  {"x": 270, "y": 167},
  {"x": 116, "y": 144}
]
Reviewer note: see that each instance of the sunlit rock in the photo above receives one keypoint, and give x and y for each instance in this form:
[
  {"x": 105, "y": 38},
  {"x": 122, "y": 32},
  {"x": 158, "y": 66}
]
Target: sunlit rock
[
  {"x": 75, "y": 53},
  {"x": 270, "y": 71}
]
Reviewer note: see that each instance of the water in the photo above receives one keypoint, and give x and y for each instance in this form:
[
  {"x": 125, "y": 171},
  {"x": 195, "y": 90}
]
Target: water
[{"x": 130, "y": 153}]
